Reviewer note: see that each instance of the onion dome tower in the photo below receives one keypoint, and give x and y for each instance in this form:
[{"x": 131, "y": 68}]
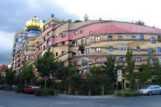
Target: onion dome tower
[{"x": 34, "y": 27}]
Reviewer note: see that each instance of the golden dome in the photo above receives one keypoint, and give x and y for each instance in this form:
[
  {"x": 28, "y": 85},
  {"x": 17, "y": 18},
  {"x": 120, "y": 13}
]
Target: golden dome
[{"x": 34, "y": 23}]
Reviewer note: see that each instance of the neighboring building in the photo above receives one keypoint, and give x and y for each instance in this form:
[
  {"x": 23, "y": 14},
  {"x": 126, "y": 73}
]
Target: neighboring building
[
  {"x": 89, "y": 42},
  {"x": 3, "y": 68}
]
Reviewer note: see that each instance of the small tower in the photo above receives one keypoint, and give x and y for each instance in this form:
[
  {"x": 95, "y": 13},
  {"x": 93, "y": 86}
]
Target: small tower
[
  {"x": 34, "y": 27},
  {"x": 34, "y": 24},
  {"x": 100, "y": 19},
  {"x": 86, "y": 17}
]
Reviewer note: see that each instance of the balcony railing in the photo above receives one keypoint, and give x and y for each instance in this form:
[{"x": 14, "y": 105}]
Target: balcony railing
[{"x": 64, "y": 57}]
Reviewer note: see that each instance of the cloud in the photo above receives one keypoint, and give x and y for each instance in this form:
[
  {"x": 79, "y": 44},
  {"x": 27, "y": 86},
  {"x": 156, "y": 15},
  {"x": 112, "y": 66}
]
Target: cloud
[
  {"x": 6, "y": 40},
  {"x": 5, "y": 57},
  {"x": 124, "y": 10},
  {"x": 14, "y": 14},
  {"x": 6, "y": 44}
]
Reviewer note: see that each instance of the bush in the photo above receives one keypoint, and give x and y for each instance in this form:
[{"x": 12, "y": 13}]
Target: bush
[
  {"x": 45, "y": 92},
  {"x": 20, "y": 88},
  {"x": 126, "y": 93}
]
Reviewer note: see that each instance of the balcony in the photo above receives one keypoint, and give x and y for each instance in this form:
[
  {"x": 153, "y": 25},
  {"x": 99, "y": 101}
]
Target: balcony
[{"x": 64, "y": 57}]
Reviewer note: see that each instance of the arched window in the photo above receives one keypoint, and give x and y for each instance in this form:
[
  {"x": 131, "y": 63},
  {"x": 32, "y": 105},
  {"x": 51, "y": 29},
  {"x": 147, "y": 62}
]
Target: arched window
[
  {"x": 153, "y": 40},
  {"x": 98, "y": 38},
  {"x": 98, "y": 50},
  {"x": 56, "y": 53}
]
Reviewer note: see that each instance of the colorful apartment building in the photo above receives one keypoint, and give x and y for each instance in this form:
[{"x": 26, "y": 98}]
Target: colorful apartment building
[{"x": 89, "y": 42}]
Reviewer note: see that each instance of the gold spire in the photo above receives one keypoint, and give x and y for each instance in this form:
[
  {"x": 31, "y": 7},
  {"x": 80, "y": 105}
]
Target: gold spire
[{"x": 34, "y": 23}]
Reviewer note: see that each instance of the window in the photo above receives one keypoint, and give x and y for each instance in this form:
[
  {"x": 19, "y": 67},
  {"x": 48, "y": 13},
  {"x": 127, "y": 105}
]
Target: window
[
  {"x": 44, "y": 47},
  {"x": 159, "y": 38},
  {"x": 81, "y": 49},
  {"x": 150, "y": 50},
  {"x": 63, "y": 43},
  {"x": 98, "y": 38},
  {"x": 79, "y": 42},
  {"x": 158, "y": 50},
  {"x": 44, "y": 38},
  {"x": 109, "y": 36},
  {"x": 133, "y": 37},
  {"x": 83, "y": 41},
  {"x": 50, "y": 33},
  {"x": 73, "y": 42},
  {"x": 87, "y": 51},
  {"x": 141, "y": 37},
  {"x": 138, "y": 59},
  {"x": 138, "y": 48},
  {"x": 154, "y": 87},
  {"x": 56, "y": 53},
  {"x": 120, "y": 37},
  {"x": 122, "y": 49},
  {"x": 121, "y": 59},
  {"x": 84, "y": 62},
  {"x": 153, "y": 40},
  {"x": 62, "y": 52},
  {"x": 98, "y": 49}
]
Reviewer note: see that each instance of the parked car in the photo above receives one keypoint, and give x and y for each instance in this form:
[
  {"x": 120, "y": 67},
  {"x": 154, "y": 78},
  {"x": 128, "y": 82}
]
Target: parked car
[
  {"x": 31, "y": 89},
  {"x": 2, "y": 86},
  {"x": 14, "y": 87},
  {"x": 6, "y": 87},
  {"x": 150, "y": 90}
]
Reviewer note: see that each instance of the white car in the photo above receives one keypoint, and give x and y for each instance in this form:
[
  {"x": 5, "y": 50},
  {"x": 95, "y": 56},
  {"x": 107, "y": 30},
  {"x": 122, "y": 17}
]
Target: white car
[{"x": 150, "y": 90}]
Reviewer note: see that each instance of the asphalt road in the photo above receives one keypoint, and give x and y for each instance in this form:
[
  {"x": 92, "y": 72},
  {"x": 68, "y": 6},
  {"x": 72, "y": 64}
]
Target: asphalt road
[{"x": 11, "y": 99}]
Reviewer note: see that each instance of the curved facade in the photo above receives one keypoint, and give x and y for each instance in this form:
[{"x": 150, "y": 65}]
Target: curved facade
[{"x": 90, "y": 42}]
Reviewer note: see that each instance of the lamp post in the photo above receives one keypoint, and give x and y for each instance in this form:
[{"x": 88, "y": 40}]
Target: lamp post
[{"x": 119, "y": 77}]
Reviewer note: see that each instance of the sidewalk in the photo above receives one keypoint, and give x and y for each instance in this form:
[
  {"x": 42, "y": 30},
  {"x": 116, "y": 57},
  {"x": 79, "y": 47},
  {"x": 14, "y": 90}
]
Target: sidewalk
[{"x": 87, "y": 97}]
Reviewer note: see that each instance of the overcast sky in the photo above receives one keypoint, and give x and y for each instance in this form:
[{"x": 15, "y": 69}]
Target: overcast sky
[{"x": 14, "y": 13}]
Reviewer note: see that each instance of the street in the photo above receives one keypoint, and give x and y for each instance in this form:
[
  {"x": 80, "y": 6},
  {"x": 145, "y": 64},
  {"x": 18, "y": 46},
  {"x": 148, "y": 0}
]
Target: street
[{"x": 12, "y": 99}]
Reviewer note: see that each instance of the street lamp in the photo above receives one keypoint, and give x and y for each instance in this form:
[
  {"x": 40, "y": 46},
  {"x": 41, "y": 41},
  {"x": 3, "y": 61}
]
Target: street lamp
[{"x": 119, "y": 76}]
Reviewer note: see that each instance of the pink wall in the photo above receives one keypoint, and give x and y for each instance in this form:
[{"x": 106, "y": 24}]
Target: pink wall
[{"x": 103, "y": 28}]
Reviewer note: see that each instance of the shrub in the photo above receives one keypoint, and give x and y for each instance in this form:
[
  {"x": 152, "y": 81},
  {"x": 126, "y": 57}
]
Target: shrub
[
  {"x": 19, "y": 88},
  {"x": 45, "y": 92},
  {"x": 126, "y": 93}
]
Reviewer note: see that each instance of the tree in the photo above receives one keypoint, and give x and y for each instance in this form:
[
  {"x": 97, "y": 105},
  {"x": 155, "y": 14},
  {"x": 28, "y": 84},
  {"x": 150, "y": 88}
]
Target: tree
[
  {"x": 149, "y": 73},
  {"x": 58, "y": 70},
  {"x": 90, "y": 81},
  {"x": 129, "y": 69},
  {"x": 9, "y": 77},
  {"x": 110, "y": 73},
  {"x": 102, "y": 79},
  {"x": 77, "y": 21},
  {"x": 144, "y": 74},
  {"x": 71, "y": 74},
  {"x": 156, "y": 73},
  {"x": 3, "y": 69},
  {"x": 97, "y": 80},
  {"x": 140, "y": 22},
  {"x": 46, "y": 65},
  {"x": 27, "y": 74}
]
